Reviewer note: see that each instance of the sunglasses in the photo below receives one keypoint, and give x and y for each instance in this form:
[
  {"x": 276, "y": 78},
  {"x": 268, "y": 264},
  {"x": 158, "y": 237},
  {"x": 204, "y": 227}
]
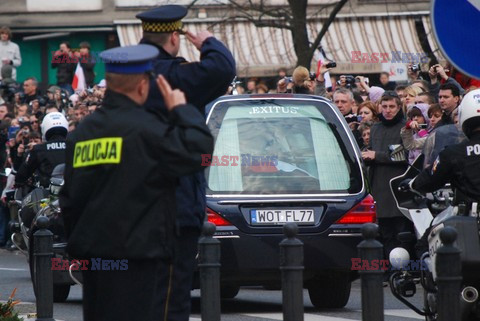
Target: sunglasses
[{"x": 390, "y": 93}]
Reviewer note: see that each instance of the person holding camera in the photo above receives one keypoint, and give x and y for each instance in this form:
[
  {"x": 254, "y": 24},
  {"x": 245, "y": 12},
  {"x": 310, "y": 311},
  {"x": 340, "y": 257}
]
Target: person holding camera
[
  {"x": 63, "y": 60},
  {"x": 438, "y": 76}
]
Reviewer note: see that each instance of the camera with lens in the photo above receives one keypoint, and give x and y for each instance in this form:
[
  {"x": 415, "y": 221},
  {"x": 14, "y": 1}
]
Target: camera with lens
[
  {"x": 349, "y": 81},
  {"x": 415, "y": 68},
  {"x": 331, "y": 64},
  {"x": 288, "y": 80}
]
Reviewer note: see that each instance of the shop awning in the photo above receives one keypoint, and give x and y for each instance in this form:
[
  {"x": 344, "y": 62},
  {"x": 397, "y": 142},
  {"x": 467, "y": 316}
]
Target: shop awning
[{"x": 262, "y": 51}]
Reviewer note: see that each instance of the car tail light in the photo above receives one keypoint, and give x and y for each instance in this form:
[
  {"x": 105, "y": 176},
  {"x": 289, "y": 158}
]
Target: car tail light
[
  {"x": 363, "y": 212},
  {"x": 216, "y": 219}
]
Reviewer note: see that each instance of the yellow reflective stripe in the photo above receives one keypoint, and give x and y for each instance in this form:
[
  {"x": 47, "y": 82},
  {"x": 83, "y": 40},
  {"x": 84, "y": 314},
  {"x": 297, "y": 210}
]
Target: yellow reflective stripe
[{"x": 107, "y": 150}]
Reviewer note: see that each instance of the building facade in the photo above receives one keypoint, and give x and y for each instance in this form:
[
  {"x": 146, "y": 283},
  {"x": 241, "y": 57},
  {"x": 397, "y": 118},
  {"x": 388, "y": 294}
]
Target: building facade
[{"x": 362, "y": 30}]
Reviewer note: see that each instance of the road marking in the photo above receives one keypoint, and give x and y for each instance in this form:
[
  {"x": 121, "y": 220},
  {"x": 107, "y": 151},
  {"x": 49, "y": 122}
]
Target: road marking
[
  {"x": 404, "y": 313},
  {"x": 12, "y": 269},
  {"x": 194, "y": 319},
  {"x": 307, "y": 317}
]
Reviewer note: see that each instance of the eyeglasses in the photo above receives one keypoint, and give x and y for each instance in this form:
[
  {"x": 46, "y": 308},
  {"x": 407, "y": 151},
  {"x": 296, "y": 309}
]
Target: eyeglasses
[
  {"x": 390, "y": 93},
  {"x": 34, "y": 121}
]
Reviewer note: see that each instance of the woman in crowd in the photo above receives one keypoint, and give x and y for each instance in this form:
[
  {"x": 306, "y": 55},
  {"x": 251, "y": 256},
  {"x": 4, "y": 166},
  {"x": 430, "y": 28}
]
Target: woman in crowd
[
  {"x": 410, "y": 93},
  {"x": 415, "y": 131},
  {"x": 367, "y": 111}
]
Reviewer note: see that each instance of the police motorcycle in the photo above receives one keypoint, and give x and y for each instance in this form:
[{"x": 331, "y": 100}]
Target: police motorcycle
[
  {"x": 33, "y": 204},
  {"x": 430, "y": 213}
]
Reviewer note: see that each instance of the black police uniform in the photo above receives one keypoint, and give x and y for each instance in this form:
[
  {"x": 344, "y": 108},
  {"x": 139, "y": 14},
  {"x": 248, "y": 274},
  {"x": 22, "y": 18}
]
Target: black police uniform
[
  {"x": 458, "y": 164},
  {"x": 41, "y": 160},
  {"x": 202, "y": 82},
  {"x": 118, "y": 200}
]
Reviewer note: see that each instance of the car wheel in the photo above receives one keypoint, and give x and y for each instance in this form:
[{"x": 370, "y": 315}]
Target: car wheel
[
  {"x": 60, "y": 292},
  {"x": 229, "y": 292},
  {"x": 331, "y": 293}
]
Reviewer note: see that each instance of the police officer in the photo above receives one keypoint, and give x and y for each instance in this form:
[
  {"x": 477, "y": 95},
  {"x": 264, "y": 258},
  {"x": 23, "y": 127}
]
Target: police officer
[
  {"x": 118, "y": 200},
  {"x": 458, "y": 164},
  {"x": 43, "y": 158},
  {"x": 202, "y": 82}
]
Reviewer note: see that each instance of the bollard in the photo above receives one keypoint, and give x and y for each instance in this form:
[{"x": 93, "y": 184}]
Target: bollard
[
  {"x": 291, "y": 266},
  {"x": 449, "y": 276},
  {"x": 209, "y": 265},
  {"x": 43, "y": 253},
  {"x": 371, "y": 280}
]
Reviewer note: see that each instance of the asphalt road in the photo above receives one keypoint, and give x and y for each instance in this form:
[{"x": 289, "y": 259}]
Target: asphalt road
[{"x": 251, "y": 304}]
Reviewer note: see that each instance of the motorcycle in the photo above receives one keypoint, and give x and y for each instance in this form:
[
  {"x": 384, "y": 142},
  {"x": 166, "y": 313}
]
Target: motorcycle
[
  {"x": 430, "y": 213},
  {"x": 44, "y": 202}
]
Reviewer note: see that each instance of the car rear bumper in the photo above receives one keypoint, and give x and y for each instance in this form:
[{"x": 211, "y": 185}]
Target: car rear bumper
[{"x": 255, "y": 260}]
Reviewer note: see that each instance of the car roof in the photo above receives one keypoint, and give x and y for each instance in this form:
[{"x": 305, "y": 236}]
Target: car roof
[{"x": 208, "y": 108}]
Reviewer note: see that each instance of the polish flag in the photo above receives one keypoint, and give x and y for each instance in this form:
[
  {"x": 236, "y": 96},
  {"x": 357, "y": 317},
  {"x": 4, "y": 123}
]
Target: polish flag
[{"x": 79, "y": 79}]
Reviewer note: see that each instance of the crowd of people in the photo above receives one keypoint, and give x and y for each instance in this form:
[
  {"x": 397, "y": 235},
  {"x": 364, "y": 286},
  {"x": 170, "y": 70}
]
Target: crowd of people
[{"x": 22, "y": 110}]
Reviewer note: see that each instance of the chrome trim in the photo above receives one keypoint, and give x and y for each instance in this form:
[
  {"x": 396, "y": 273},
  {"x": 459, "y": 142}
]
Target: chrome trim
[
  {"x": 226, "y": 237},
  {"x": 347, "y": 129},
  {"x": 276, "y": 195},
  {"x": 256, "y": 201},
  {"x": 344, "y": 234},
  {"x": 59, "y": 245}
]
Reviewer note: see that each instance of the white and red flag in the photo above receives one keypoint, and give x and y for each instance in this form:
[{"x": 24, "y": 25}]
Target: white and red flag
[{"x": 79, "y": 83}]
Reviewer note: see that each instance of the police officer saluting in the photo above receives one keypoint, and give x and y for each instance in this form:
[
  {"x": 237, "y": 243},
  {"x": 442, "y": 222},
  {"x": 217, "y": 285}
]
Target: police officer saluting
[
  {"x": 118, "y": 200},
  {"x": 202, "y": 82},
  {"x": 458, "y": 164}
]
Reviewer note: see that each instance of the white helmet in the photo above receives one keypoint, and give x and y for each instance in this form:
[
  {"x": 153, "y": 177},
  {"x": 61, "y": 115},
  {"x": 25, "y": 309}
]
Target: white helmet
[
  {"x": 469, "y": 112},
  {"x": 54, "y": 123}
]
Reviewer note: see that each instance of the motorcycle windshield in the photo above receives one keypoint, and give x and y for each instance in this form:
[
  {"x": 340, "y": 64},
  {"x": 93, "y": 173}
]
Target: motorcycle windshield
[{"x": 439, "y": 139}]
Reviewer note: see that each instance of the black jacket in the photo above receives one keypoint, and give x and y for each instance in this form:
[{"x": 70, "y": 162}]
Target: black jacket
[
  {"x": 41, "y": 160},
  {"x": 65, "y": 65},
  {"x": 118, "y": 200},
  {"x": 88, "y": 63},
  {"x": 202, "y": 82},
  {"x": 458, "y": 164}
]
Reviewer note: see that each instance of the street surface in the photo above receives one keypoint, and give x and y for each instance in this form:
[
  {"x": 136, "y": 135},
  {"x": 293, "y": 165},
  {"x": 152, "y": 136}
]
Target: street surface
[{"x": 251, "y": 304}]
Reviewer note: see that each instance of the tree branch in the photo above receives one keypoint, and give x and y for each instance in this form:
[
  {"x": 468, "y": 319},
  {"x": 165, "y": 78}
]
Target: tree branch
[{"x": 327, "y": 24}]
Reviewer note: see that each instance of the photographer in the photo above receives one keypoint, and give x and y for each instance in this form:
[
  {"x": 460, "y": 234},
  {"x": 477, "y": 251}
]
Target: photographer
[
  {"x": 63, "y": 60},
  {"x": 437, "y": 71},
  {"x": 25, "y": 147},
  {"x": 20, "y": 137},
  {"x": 304, "y": 82}
]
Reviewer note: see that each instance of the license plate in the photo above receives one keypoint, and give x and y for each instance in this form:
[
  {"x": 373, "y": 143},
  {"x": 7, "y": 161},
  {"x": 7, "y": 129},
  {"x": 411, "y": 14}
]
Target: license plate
[{"x": 279, "y": 216}]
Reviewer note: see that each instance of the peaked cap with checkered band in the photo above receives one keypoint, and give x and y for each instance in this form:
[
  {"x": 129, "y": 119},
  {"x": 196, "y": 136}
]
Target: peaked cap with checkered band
[{"x": 163, "y": 19}]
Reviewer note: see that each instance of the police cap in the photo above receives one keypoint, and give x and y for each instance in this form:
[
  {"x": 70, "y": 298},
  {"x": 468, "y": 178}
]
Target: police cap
[
  {"x": 130, "y": 59},
  {"x": 163, "y": 19}
]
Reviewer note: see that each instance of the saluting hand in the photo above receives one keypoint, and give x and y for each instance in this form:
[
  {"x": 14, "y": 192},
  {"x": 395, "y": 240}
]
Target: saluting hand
[
  {"x": 198, "y": 39},
  {"x": 173, "y": 98}
]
